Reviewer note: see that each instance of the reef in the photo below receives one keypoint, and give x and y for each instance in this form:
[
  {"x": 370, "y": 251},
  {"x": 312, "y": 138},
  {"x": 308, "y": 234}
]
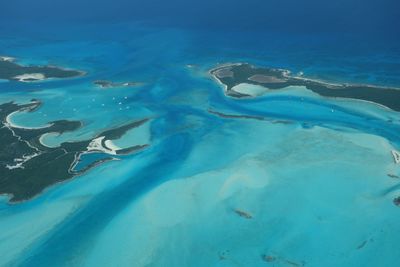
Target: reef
[
  {"x": 243, "y": 214},
  {"x": 232, "y": 75},
  {"x": 394, "y": 176},
  {"x": 247, "y": 117},
  {"x": 12, "y": 71},
  {"x": 281, "y": 261},
  {"x": 27, "y": 166},
  {"x": 232, "y": 116},
  {"x": 396, "y": 201}
]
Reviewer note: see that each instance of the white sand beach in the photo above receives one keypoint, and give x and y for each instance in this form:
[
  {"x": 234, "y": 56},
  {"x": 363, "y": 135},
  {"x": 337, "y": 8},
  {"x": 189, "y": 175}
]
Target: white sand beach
[
  {"x": 30, "y": 77},
  {"x": 5, "y": 58},
  {"x": 12, "y": 124},
  {"x": 250, "y": 89},
  {"x": 96, "y": 145}
]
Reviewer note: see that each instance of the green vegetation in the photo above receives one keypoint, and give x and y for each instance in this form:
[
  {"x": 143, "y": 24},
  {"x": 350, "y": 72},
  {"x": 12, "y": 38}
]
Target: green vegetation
[
  {"x": 10, "y": 70},
  {"x": 27, "y": 167},
  {"x": 275, "y": 79}
]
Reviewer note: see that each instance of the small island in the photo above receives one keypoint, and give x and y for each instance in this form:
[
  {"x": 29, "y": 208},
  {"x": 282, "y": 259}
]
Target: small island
[
  {"x": 12, "y": 71},
  {"x": 104, "y": 84},
  {"x": 27, "y": 166},
  {"x": 258, "y": 80},
  {"x": 396, "y": 156}
]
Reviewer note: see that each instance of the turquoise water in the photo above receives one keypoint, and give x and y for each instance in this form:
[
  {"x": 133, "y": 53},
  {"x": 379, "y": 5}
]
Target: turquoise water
[{"x": 313, "y": 175}]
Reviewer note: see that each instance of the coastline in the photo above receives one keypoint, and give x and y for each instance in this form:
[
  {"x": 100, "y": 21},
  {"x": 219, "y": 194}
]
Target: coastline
[
  {"x": 10, "y": 123},
  {"x": 43, "y": 136}
]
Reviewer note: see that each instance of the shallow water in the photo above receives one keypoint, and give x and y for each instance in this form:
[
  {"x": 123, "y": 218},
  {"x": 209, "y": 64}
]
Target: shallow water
[{"x": 312, "y": 176}]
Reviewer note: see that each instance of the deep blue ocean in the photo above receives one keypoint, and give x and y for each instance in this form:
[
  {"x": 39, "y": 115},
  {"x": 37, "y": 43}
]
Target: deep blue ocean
[{"x": 316, "y": 187}]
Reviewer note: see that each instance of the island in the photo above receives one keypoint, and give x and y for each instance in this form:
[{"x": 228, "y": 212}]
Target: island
[
  {"x": 109, "y": 84},
  {"x": 259, "y": 80},
  {"x": 27, "y": 166},
  {"x": 396, "y": 156},
  {"x": 12, "y": 71}
]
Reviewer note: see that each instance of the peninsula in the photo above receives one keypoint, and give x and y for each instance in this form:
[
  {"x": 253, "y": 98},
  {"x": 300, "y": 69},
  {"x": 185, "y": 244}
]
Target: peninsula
[{"x": 27, "y": 166}]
